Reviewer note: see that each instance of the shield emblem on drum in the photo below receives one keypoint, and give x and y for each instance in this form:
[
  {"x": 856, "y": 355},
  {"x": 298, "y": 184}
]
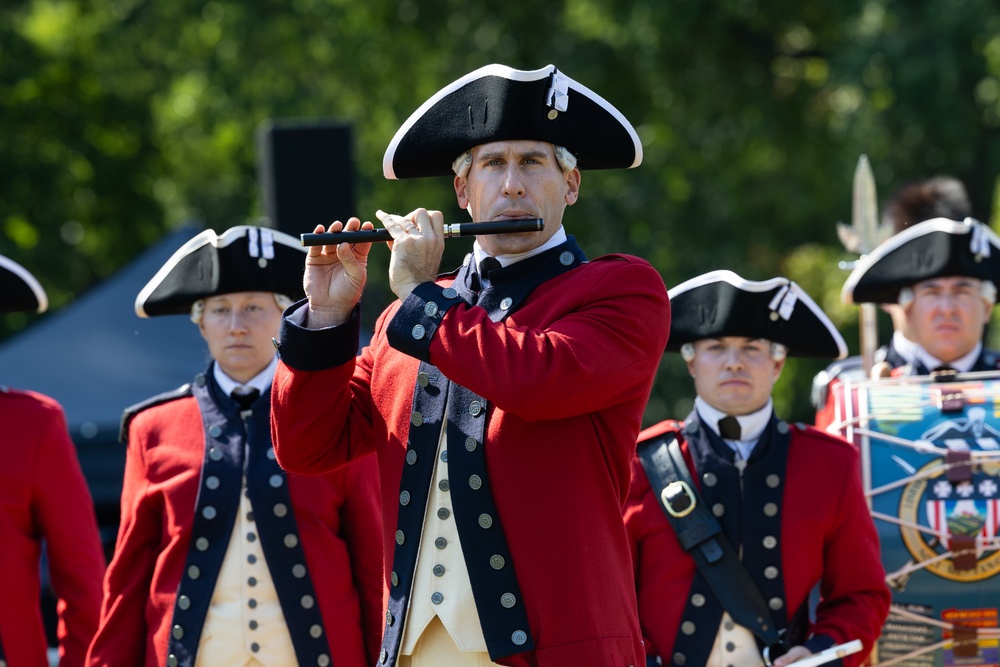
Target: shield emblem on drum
[{"x": 930, "y": 455}]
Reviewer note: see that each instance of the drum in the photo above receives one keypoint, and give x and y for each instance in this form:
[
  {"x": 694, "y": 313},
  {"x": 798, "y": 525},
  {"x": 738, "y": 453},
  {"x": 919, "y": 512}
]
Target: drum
[{"x": 930, "y": 453}]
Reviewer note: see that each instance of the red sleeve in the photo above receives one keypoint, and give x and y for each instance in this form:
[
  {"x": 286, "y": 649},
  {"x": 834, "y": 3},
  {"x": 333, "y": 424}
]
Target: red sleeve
[
  {"x": 122, "y": 636},
  {"x": 64, "y": 512},
  {"x": 361, "y": 522},
  {"x": 599, "y": 352},
  {"x": 854, "y": 596}
]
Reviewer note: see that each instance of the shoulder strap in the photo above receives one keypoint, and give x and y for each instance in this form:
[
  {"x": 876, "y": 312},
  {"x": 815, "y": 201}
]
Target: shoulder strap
[{"x": 701, "y": 535}]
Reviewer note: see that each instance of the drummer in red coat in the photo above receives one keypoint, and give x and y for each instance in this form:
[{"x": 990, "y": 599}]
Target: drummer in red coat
[
  {"x": 503, "y": 403},
  {"x": 43, "y": 497},
  {"x": 222, "y": 557},
  {"x": 786, "y": 498}
]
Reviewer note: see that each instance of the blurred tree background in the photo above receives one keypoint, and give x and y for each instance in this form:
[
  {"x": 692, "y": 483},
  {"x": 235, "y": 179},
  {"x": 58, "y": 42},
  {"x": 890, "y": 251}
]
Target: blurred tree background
[{"x": 122, "y": 119}]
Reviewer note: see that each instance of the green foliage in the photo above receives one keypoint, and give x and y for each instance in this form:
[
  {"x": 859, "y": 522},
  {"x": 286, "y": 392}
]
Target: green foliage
[{"x": 123, "y": 119}]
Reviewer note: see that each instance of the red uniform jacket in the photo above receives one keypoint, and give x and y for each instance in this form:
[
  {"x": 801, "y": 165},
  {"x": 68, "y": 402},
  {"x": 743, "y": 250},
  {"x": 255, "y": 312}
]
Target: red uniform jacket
[
  {"x": 43, "y": 495},
  {"x": 823, "y": 531},
  {"x": 566, "y": 377},
  {"x": 338, "y": 522}
]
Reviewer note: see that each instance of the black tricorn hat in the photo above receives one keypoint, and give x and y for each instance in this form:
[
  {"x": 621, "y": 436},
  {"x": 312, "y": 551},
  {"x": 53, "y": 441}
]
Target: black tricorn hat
[
  {"x": 242, "y": 259},
  {"x": 721, "y": 303},
  {"x": 498, "y": 103},
  {"x": 931, "y": 249},
  {"x": 19, "y": 289}
]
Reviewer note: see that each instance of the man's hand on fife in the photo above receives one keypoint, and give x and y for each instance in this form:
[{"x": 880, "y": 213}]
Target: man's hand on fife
[
  {"x": 417, "y": 245},
  {"x": 335, "y": 275}
]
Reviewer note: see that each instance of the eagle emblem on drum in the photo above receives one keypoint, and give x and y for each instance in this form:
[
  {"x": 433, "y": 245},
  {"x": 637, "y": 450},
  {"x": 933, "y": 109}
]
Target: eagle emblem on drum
[{"x": 968, "y": 509}]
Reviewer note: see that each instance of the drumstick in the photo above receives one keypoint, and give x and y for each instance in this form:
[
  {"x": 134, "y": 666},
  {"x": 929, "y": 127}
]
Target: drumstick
[{"x": 835, "y": 652}]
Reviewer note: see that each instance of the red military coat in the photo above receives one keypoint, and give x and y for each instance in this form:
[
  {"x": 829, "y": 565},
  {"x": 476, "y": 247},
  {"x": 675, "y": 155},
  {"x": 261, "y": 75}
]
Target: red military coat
[
  {"x": 43, "y": 496},
  {"x": 338, "y": 522},
  {"x": 824, "y": 534},
  {"x": 566, "y": 377}
]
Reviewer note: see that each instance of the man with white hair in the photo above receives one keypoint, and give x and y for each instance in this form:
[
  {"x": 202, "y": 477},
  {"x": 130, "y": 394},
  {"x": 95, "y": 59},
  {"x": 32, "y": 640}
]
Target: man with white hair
[
  {"x": 941, "y": 273},
  {"x": 503, "y": 400},
  {"x": 222, "y": 558},
  {"x": 735, "y": 515}
]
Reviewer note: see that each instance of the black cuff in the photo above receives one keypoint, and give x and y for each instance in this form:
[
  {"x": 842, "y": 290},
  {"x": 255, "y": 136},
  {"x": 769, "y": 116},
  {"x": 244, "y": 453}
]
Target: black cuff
[
  {"x": 318, "y": 349},
  {"x": 818, "y": 643},
  {"x": 412, "y": 327}
]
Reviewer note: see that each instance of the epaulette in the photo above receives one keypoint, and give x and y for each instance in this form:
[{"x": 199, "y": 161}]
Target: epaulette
[{"x": 159, "y": 399}]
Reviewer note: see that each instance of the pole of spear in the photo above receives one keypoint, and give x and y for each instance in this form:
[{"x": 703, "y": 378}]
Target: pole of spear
[{"x": 864, "y": 221}]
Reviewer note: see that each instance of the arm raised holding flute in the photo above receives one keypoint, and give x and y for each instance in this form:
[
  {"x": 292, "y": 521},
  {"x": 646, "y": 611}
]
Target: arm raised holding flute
[{"x": 502, "y": 398}]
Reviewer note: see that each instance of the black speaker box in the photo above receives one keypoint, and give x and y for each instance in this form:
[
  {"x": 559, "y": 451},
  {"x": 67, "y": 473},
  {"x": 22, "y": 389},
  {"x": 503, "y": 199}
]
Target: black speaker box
[{"x": 305, "y": 172}]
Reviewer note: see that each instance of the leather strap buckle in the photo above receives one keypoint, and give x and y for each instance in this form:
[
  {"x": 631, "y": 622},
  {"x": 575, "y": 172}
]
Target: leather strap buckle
[{"x": 678, "y": 499}]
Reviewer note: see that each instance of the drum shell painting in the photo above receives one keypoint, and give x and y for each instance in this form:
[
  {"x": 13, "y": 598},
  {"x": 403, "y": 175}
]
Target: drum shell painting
[{"x": 930, "y": 453}]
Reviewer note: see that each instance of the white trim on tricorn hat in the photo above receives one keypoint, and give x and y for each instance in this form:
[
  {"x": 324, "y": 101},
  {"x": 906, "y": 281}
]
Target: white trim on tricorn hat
[
  {"x": 721, "y": 303},
  {"x": 21, "y": 292},
  {"x": 499, "y": 103},
  {"x": 243, "y": 259},
  {"x": 934, "y": 248}
]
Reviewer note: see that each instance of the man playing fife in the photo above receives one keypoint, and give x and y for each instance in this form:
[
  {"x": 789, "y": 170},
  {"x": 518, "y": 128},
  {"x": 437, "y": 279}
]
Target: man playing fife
[{"x": 503, "y": 402}]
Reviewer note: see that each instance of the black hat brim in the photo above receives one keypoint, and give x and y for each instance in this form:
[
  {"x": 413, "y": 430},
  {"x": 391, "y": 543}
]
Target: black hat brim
[
  {"x": 931, "y": 249},
  {"x": 721, "y": 303},
  {"x": 242, "y": 259},
  {"x": 498, "y": 103},
  {"x": 22, "y": 293}
]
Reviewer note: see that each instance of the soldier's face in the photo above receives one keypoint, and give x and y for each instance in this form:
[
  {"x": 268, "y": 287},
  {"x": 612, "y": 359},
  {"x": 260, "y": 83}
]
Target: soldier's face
[
  {"x": 734, "y": 374},
  {"x": 238, "y": 329},
  {"x": 515, "y": 180},
  {"x": 947, "y": 316}
]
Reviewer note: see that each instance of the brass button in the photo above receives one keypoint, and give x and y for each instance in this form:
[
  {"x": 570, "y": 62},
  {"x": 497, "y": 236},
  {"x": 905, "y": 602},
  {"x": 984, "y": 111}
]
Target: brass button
[
  {"x": 271, "y": 456},
  {"x": 215, "y": 453},
  {"x": 177, "y": 632},
  {"x": 382, "y": 656},
  {"x": 298, "y": 570},
  {"x": 772, "y": 481},
  {"x": 183, "y": 603},
  {"x": 519, "y": 637},
  {"x": 444, "y": 455},
  {"x": 280, "y": 510},
  {"x": 430, "y": 309},
  {"x": 400, "y": 537},
  {"x": 201, "y": 544},
  {"x": 507, "y": 600},
  {"x": 470, "y": 444},
  {"x": 208, "y": 512},
  {"x": 215, "y": 431},
  {"x": 679, "y": 658},
  {"x": 438, "y": 570},
  {"x": 291, "y": 540},
  {"x": 394, "y": 578},
  {"x": 449, "y": 293},
  {"x": 316, "y": 631},
  {"x": 212, "y": 482},
  {"x": 411, "y": 457},
  {"x": 485, "y": 520},
  {"x": 276, "y": 481},
  {"x": 172, "y": 660},
  {"x": 307, "y": 602},
  {"x": 404, "y": 498},
  {"x": 566, "y": 258},
  {"x": 710, "y": 479},
  {"x": 552, "y": 114},
  {"x": 194, "y": 572},
  {"x": 506, "y": 303},
  {"x": 440, "y": 543},
  {"x": 423, "y": 379},
  {"x": 389, "y": 620},
  {"x": 497, "y": 562},
  {"x": 323, "y": 660},
  {"x": 443, "y": 485},
  {"x": 775, "y": 603},
  {"x": 698, "y": 600},
  {"x": 475, "y": 408},
  {"x": 416, "y": 419},
  {"x": 437, "y": 598},
  {"x": 443, "y": 513},
  {"x": 782, "y": 427},
  {"x": 769, "y": 541},
  {"x": 476, "y": 482},
  {"x": 687, "y": 627},
  {"x": 771, "y": 572},
  {"x": 418, "y": 331},
  {"x": 718, "y": 509},
  {"x": 770, "y": 509}
]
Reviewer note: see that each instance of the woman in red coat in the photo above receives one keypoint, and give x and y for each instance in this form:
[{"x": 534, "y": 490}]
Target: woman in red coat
[
  {"x": 43, "y": 497},
  {"x": 222, "y": 558}
]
